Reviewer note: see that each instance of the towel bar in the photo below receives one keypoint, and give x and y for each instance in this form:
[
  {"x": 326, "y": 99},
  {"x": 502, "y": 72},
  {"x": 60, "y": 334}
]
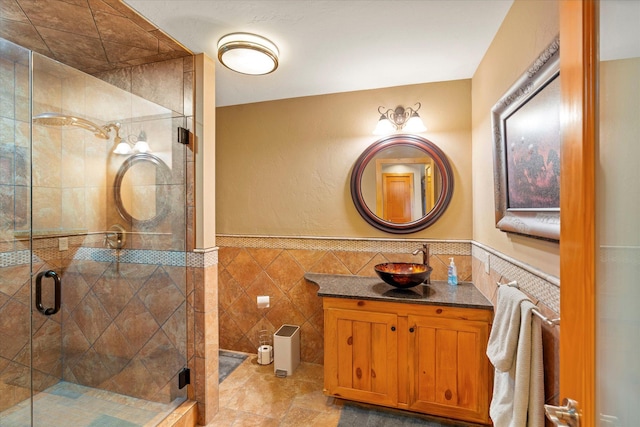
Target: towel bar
[{"x": 545, "y": 319}]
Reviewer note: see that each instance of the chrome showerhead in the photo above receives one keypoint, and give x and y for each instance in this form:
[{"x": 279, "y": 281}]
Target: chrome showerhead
[{"x": 62, "y": 120}]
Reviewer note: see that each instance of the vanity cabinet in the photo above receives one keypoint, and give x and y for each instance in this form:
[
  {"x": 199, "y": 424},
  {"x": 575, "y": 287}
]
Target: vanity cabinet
[
  {"x": 448, "y": 367},
  {"x": 423, "y": 358},
  {"x": 363, "y": 356}
]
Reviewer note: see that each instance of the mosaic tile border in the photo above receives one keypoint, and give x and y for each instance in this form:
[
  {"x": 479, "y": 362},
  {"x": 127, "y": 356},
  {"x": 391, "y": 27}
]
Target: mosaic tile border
[
  {"x": 197, "y": 259},
  {"x": 12, "y": 259},
  {"x": 453, "y": 247},
  {"x": 202, "y": 258},
  {"x": 543, "y": 287},
  {"x": 132, "y": 256}
]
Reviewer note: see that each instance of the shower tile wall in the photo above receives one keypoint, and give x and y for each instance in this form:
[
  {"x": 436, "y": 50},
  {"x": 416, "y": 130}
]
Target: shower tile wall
[
  {"x": 14, "y": 334},
  {"x": 14, "y": 216},
  {"x": 14, "y": 148},
  {"x": 124, "y": 327}
]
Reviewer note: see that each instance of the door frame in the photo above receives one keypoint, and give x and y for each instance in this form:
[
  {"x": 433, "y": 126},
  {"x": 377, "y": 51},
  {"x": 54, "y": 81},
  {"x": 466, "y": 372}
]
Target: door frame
[{"x": 579, "y": 25}]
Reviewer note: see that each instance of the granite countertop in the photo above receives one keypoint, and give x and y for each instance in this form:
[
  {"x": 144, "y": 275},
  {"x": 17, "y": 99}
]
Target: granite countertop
[{"x": 465, "y": 294}]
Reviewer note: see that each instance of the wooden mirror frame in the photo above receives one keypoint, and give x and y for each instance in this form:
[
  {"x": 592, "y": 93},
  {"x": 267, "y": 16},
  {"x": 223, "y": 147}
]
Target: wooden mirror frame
[{"x": 413, "y": 141}]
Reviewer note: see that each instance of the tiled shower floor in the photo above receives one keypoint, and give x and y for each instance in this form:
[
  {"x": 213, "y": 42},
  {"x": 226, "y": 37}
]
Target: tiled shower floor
[{"x": 67, "y": 404}]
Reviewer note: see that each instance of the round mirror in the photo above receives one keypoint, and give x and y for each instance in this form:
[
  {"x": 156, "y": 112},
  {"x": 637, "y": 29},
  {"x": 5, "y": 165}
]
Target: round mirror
[
  {"x": 402, "y": 184},
  {"x": 141, "y": 189}
]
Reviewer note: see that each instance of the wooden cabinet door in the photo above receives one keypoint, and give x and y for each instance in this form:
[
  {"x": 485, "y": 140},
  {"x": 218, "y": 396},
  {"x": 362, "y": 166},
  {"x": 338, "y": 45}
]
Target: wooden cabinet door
[
  {"x": 448, "y": 368},
  {"x": 361, "y": 356}
]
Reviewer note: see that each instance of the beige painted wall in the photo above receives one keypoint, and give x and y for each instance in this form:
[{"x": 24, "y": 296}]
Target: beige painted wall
[
  {"x": 283, "y": 167},
  {"x": 205, "y": 153},
  {"x": 527, "y": 29}
]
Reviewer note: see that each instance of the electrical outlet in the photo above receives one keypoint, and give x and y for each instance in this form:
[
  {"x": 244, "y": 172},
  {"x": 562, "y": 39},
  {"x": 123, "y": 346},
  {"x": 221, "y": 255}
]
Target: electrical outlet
[
  {"x": 487, "y": 265},
  {"x": 63, "y": 244}
]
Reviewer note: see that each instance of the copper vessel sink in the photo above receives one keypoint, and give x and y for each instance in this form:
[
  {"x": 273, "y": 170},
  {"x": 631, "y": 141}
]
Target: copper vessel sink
[{"x": 403, "y": 274}]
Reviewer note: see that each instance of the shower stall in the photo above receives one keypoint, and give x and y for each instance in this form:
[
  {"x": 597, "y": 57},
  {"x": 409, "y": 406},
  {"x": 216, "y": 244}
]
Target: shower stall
[{"x": 93, "y": 307}]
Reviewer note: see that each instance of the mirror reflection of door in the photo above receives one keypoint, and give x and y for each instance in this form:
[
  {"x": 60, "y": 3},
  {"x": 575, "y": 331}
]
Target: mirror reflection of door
[
  {"x": 397, "y": 197},
  {"x": 405, "y": 188}
]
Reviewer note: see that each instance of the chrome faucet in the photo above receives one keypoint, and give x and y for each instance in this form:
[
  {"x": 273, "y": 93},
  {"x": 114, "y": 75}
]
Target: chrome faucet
[{"x": 425, "y": 258}]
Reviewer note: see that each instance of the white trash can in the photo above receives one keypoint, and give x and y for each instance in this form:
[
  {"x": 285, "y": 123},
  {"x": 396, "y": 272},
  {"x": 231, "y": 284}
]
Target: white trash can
[{"x": 286, "y": 350}]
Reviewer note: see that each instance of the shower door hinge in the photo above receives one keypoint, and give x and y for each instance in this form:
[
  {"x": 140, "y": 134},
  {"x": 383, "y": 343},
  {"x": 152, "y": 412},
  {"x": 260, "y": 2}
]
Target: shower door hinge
[
  {"x": 183, "y": 136},
  {"x": 184, "y": 378}
]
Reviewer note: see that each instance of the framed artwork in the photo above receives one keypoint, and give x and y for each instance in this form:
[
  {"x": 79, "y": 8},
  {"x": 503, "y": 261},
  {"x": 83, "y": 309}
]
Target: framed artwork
[{"x": 527, "y": 143}]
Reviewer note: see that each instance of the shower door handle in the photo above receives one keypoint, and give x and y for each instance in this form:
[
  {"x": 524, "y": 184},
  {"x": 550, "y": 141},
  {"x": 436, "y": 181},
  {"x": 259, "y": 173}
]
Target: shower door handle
[{"x": 56, "y": 281}]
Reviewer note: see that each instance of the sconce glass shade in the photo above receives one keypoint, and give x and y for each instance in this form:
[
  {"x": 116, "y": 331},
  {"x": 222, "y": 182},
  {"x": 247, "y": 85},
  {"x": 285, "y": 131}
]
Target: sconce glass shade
[
  {"x": 248, "y": 53},
  {"x": 123, "y": 148},
  {"x": 141, "y": 147},
  {"x": 384, "y": 126},
  {"x": 414, "y": 124}
]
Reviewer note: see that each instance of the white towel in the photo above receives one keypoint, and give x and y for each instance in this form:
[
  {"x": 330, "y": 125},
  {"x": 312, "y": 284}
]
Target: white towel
[{"x": 515, "y": 350}]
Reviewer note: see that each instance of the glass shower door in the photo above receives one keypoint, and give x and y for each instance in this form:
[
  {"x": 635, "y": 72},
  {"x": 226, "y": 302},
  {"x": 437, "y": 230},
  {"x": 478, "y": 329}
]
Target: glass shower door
[
  {"x": 92, "y": 250},
  {"x": 15, "y": 246},
  {"x": 108, "y": 218},
  {"x": 108, "y": 221}
]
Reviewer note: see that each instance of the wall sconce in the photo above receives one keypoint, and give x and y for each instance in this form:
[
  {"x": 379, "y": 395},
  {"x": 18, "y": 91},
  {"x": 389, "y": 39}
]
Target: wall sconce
[
  {"x": 248, "y": 53},
  {"x": 406, "y": 119},
  {"x": 132, "y": 143}
]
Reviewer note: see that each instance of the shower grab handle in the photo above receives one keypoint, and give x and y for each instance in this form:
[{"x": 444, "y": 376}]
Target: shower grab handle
[{"x": 56, "y": 280}]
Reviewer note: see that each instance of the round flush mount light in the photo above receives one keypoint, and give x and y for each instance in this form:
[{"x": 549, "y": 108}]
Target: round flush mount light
[{"x": 248, "y": 53}]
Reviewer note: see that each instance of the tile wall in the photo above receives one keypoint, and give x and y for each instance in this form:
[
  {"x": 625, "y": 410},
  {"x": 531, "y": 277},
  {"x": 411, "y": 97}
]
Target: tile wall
[
  {"x": 253, "y": 266},
  {"x": 490, "y": 267}
]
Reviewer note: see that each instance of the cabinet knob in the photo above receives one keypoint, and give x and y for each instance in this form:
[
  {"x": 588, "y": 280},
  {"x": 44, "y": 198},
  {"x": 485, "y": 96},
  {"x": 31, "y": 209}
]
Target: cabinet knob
[
  {"x": 411, "y": 330},
  {"x": 393, "y": 328}
]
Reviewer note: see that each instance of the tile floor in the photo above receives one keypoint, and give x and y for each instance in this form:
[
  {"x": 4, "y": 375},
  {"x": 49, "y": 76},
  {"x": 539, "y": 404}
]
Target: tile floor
[
  {"x": 253, "y": 396},
  {"x": 67, "y": 404}
]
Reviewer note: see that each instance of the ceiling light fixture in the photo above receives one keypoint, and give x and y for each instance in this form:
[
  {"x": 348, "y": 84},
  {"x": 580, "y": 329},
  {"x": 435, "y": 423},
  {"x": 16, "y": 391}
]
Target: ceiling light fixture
[
  {"x": 405, "y": 119},
  {"x": 248, "y": 53}
]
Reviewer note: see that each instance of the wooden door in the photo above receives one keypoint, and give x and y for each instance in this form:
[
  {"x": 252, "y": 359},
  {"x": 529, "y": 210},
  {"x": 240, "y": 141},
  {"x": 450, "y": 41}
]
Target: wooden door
[
  {"x": 578, "y": 35},
  {"x": 600, "y": 202},
  {"x": 448, "y": 368},
  {"x": 361, "y": 356},
  {"x": 397, "y": 193}
]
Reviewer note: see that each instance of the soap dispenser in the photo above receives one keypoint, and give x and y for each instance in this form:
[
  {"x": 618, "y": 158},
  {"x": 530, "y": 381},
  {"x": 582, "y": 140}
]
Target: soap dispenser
[{"x": 452, "y": 273}]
